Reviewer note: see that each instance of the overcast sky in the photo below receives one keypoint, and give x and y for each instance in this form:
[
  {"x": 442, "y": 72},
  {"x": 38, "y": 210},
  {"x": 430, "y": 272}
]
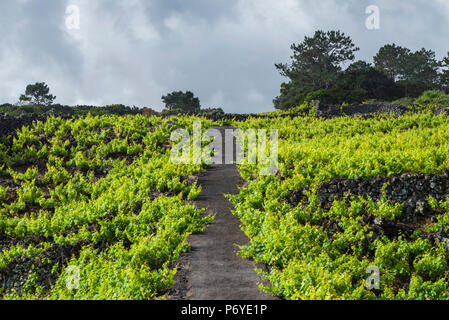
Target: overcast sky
[{"x": 134, "y": 51}]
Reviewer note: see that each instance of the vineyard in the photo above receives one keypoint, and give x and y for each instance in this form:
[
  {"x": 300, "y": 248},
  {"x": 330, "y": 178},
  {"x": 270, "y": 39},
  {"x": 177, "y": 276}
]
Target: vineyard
[
  {"x": 352, "y": 193},
  {"x": 97, "y": 197}
]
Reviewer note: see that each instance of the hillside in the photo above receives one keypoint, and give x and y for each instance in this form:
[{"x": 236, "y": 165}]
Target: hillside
[{"x": 98, "y": 198}]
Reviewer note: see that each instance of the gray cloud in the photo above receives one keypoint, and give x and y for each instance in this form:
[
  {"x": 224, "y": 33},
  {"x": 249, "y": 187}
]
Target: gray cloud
[{"x": 134, "y": 51}]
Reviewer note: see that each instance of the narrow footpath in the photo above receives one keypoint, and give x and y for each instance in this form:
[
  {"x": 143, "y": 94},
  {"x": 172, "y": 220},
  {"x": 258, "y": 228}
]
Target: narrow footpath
[{"x": 213, "y": 270}]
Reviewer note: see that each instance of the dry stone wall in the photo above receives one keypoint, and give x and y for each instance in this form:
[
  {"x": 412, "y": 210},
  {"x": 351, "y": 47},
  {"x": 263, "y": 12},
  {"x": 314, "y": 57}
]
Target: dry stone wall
[
  {"x": 412, "y": 190},
  {"x": 9, "y": 124},
  {"x": 366, "y": 110}
]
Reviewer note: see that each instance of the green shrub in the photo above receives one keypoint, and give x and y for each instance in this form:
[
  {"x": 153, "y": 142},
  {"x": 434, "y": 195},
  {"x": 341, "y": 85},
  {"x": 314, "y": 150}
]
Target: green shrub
[
  {"x": 405, "y": 101},
  {"x": 328, "y": 96},
  {"x": 433, "y": 97}
]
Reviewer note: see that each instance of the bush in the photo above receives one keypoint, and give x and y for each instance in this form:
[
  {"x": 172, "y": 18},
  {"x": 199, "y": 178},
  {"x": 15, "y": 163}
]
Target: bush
[
  {"x": 148, "y": 112},
  {"x": 212, "y": 111},
  {"x": 406, "y": 101},
  {"x": 337, "y": 95},
  {"x": 292, "y": 94},
  {"x": 372, "y": 101},
  {"x": 433, "y": 97},
  {"x": 327, "y": 96},
  {"x": 173, "y": 112}
]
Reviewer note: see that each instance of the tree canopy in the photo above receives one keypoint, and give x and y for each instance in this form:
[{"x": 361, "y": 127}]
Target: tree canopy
[
  {"x": 37, "y": 94},
  {"x": 315, "y": 65},
  {"x": 411, "y": 70},
  {"x": 444, "y": 76},
  {"x": 316, "y": 71},
  {"x": 389, "y": 59},
  {"x": 183, "y": 101}
]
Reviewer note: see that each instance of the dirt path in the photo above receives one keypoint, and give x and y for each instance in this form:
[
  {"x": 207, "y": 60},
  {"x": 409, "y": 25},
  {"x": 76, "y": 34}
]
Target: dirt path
[{"x": 213, "y": 270}]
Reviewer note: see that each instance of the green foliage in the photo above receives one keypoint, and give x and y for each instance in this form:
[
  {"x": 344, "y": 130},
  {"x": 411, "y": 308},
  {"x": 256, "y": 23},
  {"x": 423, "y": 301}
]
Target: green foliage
[
  {"x": 182, "y": 101},
  {"x": 61, "y": 110},
  {"x": 292, "y": 95},
  {"x": 444, "y": 76},
  {"x": 316, "y": 64},
  {"x": 3, "y": 194},
  {"x": 217, "y": 111},
  {"x": 38, "y": 94},
  {"x": 330, "y": 96},
  {"x": 389, "y": 58},
  {"x": 406, "y": 101},
  {"x": 433, "y": 98},
  {"x": 100, "y": 184},
  {"x": 413, "y": 71},
  {"x": 316, "y": 73},
  {"x": 307, "y": 259},
  {"x": 362, "y": 81},
  {"x": 319, "y": 58}
]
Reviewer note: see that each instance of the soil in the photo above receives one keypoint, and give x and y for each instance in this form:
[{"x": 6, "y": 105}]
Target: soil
[{"x": 213, "y": 270}]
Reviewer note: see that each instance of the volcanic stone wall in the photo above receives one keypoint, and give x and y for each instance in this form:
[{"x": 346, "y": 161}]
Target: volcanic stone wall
[
  {"x": 9, "y": 124},
  {"x": 331, "y": 111},
  {"x": 238, "y": 116},
  {"x": 412, "y": 190}
]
